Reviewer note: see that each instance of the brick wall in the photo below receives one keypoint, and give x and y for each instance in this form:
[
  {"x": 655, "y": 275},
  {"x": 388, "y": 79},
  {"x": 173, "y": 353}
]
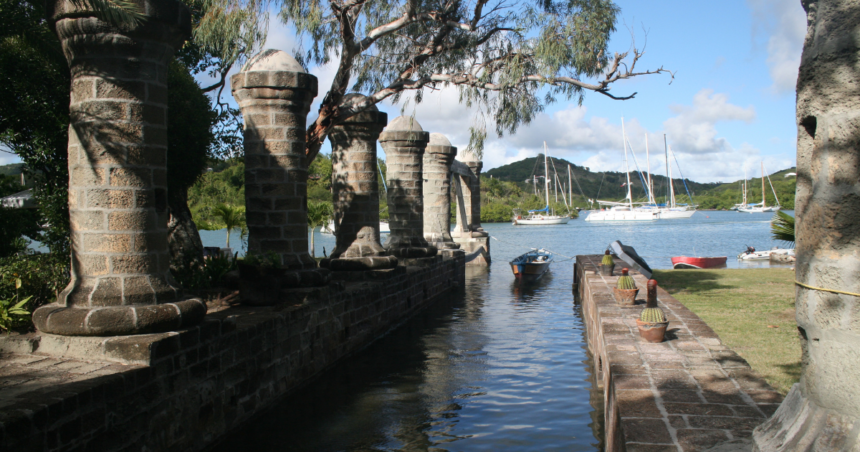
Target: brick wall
[{"x": 205, "y": 381}]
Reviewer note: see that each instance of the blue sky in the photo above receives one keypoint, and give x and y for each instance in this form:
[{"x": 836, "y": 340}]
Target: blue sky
[{"x": 730, "y": 106}]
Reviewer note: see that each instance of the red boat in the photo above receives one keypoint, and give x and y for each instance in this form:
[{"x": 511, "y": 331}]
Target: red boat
[{"x": 698, "y": 262}]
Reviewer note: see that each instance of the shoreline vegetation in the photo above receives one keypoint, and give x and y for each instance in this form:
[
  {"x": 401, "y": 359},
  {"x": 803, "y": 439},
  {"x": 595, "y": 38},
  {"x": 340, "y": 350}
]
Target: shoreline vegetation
[{"x": 753, "y": 312}]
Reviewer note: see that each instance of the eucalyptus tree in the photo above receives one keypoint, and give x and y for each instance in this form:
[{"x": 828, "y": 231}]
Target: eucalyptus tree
[{"x": 507, "y": 58}]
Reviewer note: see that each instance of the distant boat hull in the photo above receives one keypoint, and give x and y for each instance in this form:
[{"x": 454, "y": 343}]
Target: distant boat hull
[
  {"x": 763, "y": 255},
  {"x": 529, "y": 267},
  {"x": 539, "y": 219},
  {"x": 621, "y": 215},
  {"x": 698, "y": 262}
]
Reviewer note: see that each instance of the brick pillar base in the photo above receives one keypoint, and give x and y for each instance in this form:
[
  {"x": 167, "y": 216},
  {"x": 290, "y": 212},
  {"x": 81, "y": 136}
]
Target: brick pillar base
[{"x": 121, "y": 282}]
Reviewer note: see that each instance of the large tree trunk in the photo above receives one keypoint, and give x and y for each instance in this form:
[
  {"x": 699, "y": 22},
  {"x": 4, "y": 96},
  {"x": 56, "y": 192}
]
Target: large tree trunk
[
  {"x": 186, "y": 249},
  {"x": 822, "y": 411}
]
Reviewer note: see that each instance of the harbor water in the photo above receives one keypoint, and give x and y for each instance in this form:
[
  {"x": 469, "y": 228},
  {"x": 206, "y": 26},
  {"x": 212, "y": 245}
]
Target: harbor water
[{"x": 494, "y": 366}]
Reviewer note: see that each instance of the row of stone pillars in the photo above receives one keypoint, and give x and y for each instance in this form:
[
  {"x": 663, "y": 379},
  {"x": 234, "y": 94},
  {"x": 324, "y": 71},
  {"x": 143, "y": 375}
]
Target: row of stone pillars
[{"x": 121, "y": 283}]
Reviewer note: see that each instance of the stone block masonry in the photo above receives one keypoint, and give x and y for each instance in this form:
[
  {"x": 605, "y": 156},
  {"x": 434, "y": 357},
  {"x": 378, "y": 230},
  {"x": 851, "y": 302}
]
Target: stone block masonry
[
  {"x": 689, "y": 393},
  {"x": 183, "y": 390},
  {"x": 121, "y": 283},
  {"x": 275, "y": 93}
]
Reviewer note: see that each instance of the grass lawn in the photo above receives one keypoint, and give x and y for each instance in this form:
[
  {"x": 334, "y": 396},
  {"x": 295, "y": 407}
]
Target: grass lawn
[{"x": 743, "y": 306}]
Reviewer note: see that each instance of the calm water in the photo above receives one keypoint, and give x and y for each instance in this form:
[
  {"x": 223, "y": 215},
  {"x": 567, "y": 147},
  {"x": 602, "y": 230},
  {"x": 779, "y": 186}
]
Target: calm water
[{"x": 496, "y": 366}]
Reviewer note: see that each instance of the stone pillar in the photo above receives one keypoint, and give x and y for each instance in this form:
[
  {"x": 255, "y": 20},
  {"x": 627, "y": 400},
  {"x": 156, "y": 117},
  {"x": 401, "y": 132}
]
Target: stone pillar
[
  {"x": 355, "y": 189},
  {"x": 438, "y": 157},
  {"x": 469, "y": 233},
  {"x": 472, "y": 202},
  {"x": 275, "y": 93},
  {"x": 403, "y": 141},
  {"x": 822, "y": 411},
  {"x": 121, "y": 283}
]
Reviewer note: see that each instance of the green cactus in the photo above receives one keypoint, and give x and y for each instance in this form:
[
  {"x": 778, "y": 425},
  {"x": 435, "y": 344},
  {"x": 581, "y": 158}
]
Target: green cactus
[
  {"x": 625, "y": 281},
  {"x": 607, "y": 259},
  {"x": 652, "y": 315}
]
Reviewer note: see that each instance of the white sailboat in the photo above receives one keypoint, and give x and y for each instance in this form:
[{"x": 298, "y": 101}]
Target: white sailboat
[
  {"x": 671, "y": 210},
  {"x": 542, "y": 216},
  {"x": 622, "y": 211},
  {"x": 763, "y": 207}
]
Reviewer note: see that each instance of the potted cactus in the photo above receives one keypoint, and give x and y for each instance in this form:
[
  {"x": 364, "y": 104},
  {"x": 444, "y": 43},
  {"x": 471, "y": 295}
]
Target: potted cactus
[
  {"x": 652, "y": 322},
  {"x": 607, "y": 264},
  {"x": 625, "y": 289}
]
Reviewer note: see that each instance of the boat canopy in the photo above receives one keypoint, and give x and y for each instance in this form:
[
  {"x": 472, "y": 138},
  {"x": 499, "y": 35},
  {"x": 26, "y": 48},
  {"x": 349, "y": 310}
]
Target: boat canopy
[{"x": 545, "y": 209}]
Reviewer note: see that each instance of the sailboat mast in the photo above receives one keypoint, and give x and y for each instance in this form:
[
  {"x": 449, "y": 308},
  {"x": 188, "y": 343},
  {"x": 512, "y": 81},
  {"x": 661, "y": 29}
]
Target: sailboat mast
[
  {"x": 671, "y": 189},
  {"x": 546, "y": 172},
  {"x": 569, "y": 186},
  {"x": 668, "y": 176},
  {"x": 626, "y": 164},
  {"x": 648, "y": 162},
  {"x": 763, "y": 199}
]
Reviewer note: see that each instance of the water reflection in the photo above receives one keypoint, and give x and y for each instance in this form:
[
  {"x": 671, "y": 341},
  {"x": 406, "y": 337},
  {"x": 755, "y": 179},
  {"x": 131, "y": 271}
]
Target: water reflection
[{"x": 493, "y": 367}]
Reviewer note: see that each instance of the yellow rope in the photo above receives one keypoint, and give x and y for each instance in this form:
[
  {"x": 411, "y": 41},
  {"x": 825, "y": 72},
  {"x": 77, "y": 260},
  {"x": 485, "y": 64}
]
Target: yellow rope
[{"x": 826, "y": 290}]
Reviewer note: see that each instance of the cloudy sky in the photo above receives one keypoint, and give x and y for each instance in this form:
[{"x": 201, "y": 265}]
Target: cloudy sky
[{"x": 730, "y": 106}]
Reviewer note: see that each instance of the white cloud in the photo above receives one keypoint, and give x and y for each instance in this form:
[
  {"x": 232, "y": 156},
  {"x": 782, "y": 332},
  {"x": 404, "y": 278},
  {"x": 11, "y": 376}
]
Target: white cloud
[
  {"x": 784, "y": 22},
  {"x": 7, "y": 158},
  {"x": 694, "y": 131}
]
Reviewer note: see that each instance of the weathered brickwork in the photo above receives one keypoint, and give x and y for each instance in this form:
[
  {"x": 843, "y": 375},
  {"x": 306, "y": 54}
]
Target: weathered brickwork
[
  {"x": 275, "y": 94},
  {"x": 438, "y": 157},
  {"x": 689, "y": 393},
  {"x": 355, "y": 190},
  {"x": 403, "y": 141},
  {"x": 204, "y": 381},
  {"x": 118, "y": 174}
]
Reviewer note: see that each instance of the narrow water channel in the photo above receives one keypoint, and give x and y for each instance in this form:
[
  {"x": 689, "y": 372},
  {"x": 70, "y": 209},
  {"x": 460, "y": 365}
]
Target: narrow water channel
[{"x": 496, "y": 366}]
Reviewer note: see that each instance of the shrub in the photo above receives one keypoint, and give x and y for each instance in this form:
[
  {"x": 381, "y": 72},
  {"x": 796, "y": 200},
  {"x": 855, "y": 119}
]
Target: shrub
[{"x": 41, "y": 276}]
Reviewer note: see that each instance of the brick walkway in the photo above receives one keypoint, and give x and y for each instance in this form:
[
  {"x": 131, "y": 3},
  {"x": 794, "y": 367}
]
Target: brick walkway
[{"x": 688, "y": 393}]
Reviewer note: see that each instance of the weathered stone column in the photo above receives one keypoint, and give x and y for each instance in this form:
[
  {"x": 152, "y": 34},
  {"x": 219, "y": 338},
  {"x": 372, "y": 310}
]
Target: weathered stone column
[
  {"x": 355, "y": 189},
  {"x": 438, "y": 157},
  {"x": 403, "y": 141},
  {"x": 473, "y": 201},
  {"x": 822, "y": 411},
  {"x": 275, "y": 94},
  {"x": 121, "y": 283}
]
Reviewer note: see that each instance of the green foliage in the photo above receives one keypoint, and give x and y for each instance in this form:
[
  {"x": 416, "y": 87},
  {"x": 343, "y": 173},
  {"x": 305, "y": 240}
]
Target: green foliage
[
  {"x": 608, "y": 185},
  {"x": 625, "y": 282},
  {"x": 13, "y": 315},
  {"x": 191, "y": 120},
  {"x": 213, "y": 188},
  {"x": 208, "y": 275},
  {"x": 34, "y": 111},
  {"x": 41, "y": 276},
  {"x": 15, "y": 224},
  {"x": 319, "y": 213},
  {"x": 652, "y": 315},
  {"x": 782, "y": 227},
  {"x": 123, "y": 13},
  {"x": 230, "y": 217}
]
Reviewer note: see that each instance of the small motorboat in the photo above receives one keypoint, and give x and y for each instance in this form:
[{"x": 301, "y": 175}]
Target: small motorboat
[
  {"x": 698, "y": 262},
  {"x": 752, "y": 255},
  {"x": 530, "y": 266}
]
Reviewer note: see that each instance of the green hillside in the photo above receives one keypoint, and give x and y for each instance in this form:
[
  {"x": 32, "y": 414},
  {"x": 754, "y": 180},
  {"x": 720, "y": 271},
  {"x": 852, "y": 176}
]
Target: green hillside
[{"x": 610, "y": 185}]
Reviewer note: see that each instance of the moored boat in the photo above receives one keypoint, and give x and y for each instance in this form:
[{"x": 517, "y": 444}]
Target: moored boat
[
  {"x": 752, "y": 255},
  {"x": 531, "y": 266},
  {"x": 698, "y": 262}
]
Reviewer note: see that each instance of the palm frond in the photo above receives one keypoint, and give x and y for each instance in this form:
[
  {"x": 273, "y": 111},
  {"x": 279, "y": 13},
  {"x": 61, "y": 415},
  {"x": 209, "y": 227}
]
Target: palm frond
[
  {"x": 115, "y": 12},
  {"x": 782, "y": 227}
]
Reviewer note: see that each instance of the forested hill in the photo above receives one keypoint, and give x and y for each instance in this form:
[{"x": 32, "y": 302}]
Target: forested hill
[{"x": 603, "y": 185}]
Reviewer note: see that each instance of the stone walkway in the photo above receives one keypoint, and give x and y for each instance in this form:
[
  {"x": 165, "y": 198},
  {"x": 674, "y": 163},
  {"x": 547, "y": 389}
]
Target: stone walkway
[{"x": 688, "y": 393}]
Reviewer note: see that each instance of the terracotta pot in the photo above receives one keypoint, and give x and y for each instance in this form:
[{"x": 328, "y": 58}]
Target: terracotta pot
[
  {"x": 626, "y": 296},
  {"x": 652, "y": 332},
  {"x": 606, "y": 270}
]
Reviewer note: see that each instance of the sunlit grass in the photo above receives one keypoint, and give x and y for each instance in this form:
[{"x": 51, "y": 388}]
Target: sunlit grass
[{"x": 743, "y": 307}]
